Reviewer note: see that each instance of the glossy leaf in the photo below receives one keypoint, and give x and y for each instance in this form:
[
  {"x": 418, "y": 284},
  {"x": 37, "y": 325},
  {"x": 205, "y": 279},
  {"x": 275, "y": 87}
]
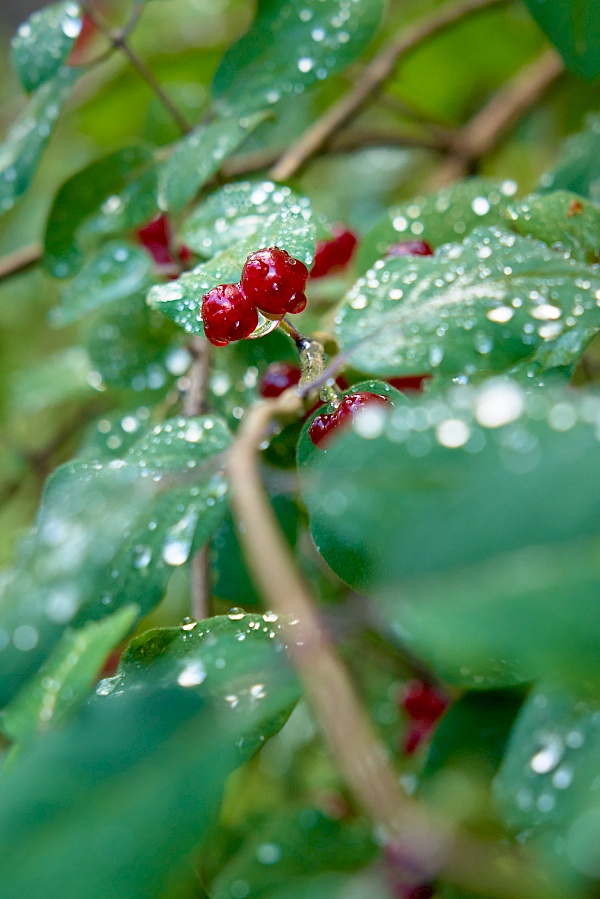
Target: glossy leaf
[
  {"x": 561, "y": 219},
  {"x": 291, "y": 47},
  {"x": 473, "y": 308},
  {"x": 549, "y": 778},
  {"x": 181, "y": 300},
  {"x": 118, "y": 271},
  {"x": 81, "y": 196},
  {"x": 43, "y": 43},
  {"x": 578, "y": 166},
  {"x": 197, "y": 156},
  {"x": 573, "y": 26},
  {"x": 237, "y": 212},
  {"x": 292, "y": 847},
  {"x": 444, "y": 217},
  {"x": 64, "y": 376},
  {"x": 65, "y": 679},
  {"x": 22, "y": 148},
  {"x": 418, "y": 509}
]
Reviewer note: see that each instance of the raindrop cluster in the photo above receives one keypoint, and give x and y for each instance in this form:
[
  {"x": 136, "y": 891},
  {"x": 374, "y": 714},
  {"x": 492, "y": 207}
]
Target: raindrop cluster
[{"x": 272, "y": 282}]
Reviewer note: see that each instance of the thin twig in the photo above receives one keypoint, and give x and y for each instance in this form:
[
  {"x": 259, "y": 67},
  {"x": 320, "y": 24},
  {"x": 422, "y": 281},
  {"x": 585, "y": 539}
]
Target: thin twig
[
  {"x": 19, "y": 260},
  {"x": 374, "y": 75},
  {"x": 194, "y": 404},
  {"x": 484, "y": 131},
  {"x": 428, "y": 845}
]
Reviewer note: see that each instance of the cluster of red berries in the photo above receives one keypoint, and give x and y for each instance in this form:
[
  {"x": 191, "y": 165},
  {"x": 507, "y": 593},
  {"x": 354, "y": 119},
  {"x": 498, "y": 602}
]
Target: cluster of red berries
[
  {"x": 334, "y": 254},
  {"x": 423, "y": 704},
  {"x": 272, "y": 282},
  {"x": 323, "y": 426}
]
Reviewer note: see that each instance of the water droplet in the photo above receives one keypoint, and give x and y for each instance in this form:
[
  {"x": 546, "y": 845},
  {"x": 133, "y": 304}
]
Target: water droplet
[
  {"x": 188, "y": 624},
  {"x": 549, "y": 755},
  {"x": 192, "y": 674},
  {"x": 236, "y": 614}
]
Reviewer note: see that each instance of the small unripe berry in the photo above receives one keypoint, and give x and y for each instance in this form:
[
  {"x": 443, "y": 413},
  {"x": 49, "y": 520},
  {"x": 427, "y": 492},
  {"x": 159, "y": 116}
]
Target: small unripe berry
[
  {"x": 278, "y": 377},
  {"x": 410, "y": 248},
  {"x": 275, "y": 281},
  {"x": 335, "y": 253},
  {"x": 228, "y": 314},
  {"x": 323, "y": 426}
]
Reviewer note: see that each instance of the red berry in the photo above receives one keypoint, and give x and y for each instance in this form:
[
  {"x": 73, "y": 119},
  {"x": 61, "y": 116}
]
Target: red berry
[
  {"x": 275, "y": 281},
  {"x": 156, "y": 237},
  {"x": 79, "y": 51},
  {"x": 228, "y": 314},
  {"x": 410, "y": 248},
  {"x": 409, "y": 382},
  {"x": 335, "y": 253},
  {"x": 323, "y": 426},
  {"x": 422, "y": 702},
  {"x": 278, "y": 377},
  {"x": 185, "y": 255},
  {"x": 414, "y": 736}
]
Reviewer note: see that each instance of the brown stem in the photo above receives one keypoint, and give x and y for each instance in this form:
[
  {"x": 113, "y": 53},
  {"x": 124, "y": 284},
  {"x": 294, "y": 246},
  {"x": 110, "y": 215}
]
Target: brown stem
[
  {"x": 195, "y": 404},
  {"x": 374, "y": 75},
  {"x": 19, "y": 260},
  {"x": 484, "y": 131},
  {"x": 427, "y": 844}
]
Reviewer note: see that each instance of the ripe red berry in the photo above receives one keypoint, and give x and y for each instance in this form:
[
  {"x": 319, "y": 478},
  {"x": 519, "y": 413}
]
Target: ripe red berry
[
  {"x": 410, "y": 248},
  {"x": 335, "y": 253},
  {"x": 422, "y": 702},
  {"x": 323, "y": 426},
  {"x": 228, "y": 314},
  {"x": 275, "y": 281},
  {"x": 156, "y": 237},
  {"x": 414, "y": 736},
  {"x": 277, "y": 378},
  {"x": 409, "y": 382}
]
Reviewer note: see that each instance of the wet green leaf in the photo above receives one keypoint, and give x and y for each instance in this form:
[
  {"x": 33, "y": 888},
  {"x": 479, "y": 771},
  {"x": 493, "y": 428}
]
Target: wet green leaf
[
  {"x": 197, "y": 156},
  {"x": 116, "y": 272},
  {"x": 573, "y": 26},
  {"x": 444, "y": 217},
  {"x": 82, "y": 195},
  {"x": 578, "y": 166},
  {"x": 43, "y": 43},
  {"x": 291, "y": 47},
  {"x": 21, "y": 150},
  {"x": 290, "y": 229},
  {"x": 474, "y": 308},
  {"x": 237, "y": 212},
  {"x": 472, "y": 518},
  {"x": 564, "y": 221},
  {"x": 58, "y": 378},
  {"x": 291, "y": 848},
  {"x": 65, "y": 679}
]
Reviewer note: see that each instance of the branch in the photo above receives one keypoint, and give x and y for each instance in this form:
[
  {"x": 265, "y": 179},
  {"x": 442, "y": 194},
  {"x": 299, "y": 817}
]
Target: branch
[
  {"x": 19, "y": 260},
  {"x": 487, "y": 127},
  {"x": 374, "y": 75},
  {"x": 194, "y": 404},
  {"x": 427, "y": 845}
]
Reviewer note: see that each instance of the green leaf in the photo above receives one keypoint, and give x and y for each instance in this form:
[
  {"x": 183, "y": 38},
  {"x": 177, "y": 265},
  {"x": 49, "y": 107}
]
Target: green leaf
[
  {"x": 60, "y": 377},
  {"x": 197, "y": 156},
  {"x": 472, "y": 518},
  {"x": 444, "y": 217},
  {"x": 562, "y": 220},
  {"x": 549, "y": 776},
  {"x": 115, "y": 803},
  {"x": 43, "y": 43},
  {"x": 132, "y": 348},
  {"x": 237, "y": 212},
  {"x": 289, "y": 228},
  {"x": 578, "y": 166},
  {"x": 573, "y": 26},
  {"x": 291, "y": 47},
  {"x": 290, "y": 849},
  {"x": 473, "y": 308},
  {"x": 116, "y": 272},
  {"x": 65, "y": 679},
  {"x": 81, "y": 196},
  {"x": 21, "y": 150}
]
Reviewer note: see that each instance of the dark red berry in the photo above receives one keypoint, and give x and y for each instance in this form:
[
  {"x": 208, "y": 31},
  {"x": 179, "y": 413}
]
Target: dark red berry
[
  {"x": 185, "y": 255},
  {"x": 323, "y": 426},
  {"x": 334, "y": 254},
  {"x": 422, "y": 702},
  {"x": 409, "y": 382},
  {"x": 228, "y": 314},
  {"x": 156, "y": 237},
  {"x": 277, "y": 378},
  {"x": 79, "y": 51},
  {"x": 275, "y": 281},
  {"x": 410, "y": 248},
  {"x": 414, "y": 736}
]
